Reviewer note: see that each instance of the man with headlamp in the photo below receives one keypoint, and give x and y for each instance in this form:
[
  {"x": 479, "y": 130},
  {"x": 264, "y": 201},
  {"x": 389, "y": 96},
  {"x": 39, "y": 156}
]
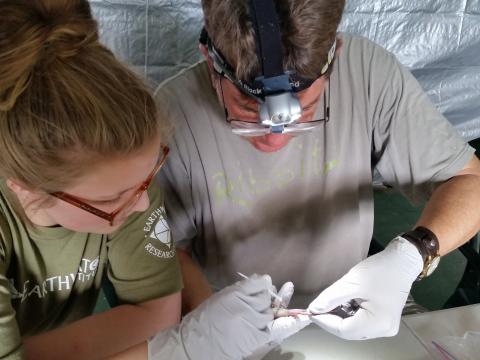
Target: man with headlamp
[{"x": 301, "y": 207}]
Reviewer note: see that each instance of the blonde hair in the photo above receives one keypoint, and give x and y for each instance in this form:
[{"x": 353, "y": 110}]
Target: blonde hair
[{"x": 65, "y": 101}]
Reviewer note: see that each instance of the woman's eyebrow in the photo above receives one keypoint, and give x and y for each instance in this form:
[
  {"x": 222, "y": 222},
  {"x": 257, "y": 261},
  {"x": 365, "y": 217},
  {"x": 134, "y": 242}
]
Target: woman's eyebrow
[
  {"x": 114, "y": 197},
  {"x": 105, "y": 198},
  {"x": 118, "y": 195}
]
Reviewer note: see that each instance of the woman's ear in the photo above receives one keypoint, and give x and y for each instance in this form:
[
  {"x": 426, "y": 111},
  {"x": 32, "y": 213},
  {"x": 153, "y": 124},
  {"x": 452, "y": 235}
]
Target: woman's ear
[
  {"x": 31, "y": 201},
  {"x": 15, "y": 186},
  {"x": 22, "y": 192}
]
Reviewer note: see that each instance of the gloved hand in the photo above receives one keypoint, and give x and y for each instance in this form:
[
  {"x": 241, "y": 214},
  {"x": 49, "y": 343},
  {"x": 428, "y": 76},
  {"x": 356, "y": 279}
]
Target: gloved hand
[
  {"x": 229, "y": 325},
  {"x": 282, "y": 327},
  {"x": 380, "y": 284}
]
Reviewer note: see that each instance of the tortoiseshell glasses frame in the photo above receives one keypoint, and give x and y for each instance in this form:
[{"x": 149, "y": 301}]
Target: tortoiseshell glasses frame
[{"x": 123, "y": 209}]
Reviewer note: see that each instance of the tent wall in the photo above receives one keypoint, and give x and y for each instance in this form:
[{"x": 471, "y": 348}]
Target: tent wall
[{"x": 438, "y": 40}]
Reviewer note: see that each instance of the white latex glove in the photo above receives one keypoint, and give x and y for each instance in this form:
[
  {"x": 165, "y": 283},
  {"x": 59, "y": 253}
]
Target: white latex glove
[
  {"x": 380, "y": 284},
  {"x": 282, "y": 327},
  {"x": 231, "y": 324}
]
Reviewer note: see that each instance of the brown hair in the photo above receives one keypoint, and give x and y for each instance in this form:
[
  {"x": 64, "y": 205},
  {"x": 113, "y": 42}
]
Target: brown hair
[
  {"x": 308, "y": 29},
  {"x": 65, "y": 101}
]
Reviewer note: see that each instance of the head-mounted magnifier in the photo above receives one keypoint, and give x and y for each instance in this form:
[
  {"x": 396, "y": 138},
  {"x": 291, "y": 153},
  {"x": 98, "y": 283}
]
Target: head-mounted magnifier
[
  {"x": 281, "y": 107},
  {"x": 274, "y": 89}
]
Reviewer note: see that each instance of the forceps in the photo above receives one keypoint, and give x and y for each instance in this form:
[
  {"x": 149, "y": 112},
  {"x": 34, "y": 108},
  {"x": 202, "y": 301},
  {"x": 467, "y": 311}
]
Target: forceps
[{"x": 344, "y": 311}]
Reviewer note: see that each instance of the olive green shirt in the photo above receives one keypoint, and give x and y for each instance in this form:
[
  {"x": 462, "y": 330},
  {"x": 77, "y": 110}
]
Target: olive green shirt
[{"x": 51, "y": 276}]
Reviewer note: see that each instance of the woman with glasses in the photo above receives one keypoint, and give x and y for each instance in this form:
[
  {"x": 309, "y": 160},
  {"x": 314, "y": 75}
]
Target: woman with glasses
[{"x": 80, "y": 142}]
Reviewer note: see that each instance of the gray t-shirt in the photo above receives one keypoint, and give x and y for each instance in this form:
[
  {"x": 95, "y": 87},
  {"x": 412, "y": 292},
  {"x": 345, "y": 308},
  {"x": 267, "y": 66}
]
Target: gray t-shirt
[{"x": 305, "y": 212}]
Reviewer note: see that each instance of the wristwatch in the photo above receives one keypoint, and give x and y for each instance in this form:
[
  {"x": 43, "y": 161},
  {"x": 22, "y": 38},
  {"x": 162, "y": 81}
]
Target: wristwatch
[{"x": 427, "y": 244}]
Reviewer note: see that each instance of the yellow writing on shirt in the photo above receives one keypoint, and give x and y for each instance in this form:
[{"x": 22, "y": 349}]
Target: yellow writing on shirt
[
  {"x": 330, "y": 165},
  {"x": 245, "y": 186}
]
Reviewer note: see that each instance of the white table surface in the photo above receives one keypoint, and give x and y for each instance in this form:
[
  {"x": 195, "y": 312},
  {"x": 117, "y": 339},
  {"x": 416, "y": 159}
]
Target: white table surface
[
  {"x": 449, "y": 322},
  {"x": 413, "y": 341},
  {"x": 312, "y": 343}
]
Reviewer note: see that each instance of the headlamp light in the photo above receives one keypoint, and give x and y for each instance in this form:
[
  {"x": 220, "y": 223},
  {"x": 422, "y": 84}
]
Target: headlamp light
[{"x": 280, "y": 110}]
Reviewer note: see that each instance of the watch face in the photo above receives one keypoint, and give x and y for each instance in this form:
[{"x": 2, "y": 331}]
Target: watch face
[{"x": 432, "y": 265}]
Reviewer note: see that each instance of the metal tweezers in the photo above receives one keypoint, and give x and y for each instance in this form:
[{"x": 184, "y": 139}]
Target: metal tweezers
[{"x": 344, "y": 311}]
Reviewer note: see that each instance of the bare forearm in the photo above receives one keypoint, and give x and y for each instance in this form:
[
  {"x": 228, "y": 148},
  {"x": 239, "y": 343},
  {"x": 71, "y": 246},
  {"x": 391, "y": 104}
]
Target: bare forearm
[
  {"x": 96, "y": 336},
  {"x": 138, "y": 352},
  {"x": 196, "y": 288},
  {"x": 452, "y": 212},
  {"x": 106, "y": 334}
]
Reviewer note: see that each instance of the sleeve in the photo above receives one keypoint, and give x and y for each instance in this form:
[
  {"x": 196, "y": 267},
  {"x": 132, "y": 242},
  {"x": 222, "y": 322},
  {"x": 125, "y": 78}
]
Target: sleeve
[
  {"x": 10, "y": 338},
  {"x": 414, "y": 146},
  {"x": 142, "y": 261},
  {"x": 175, "y": 175}
]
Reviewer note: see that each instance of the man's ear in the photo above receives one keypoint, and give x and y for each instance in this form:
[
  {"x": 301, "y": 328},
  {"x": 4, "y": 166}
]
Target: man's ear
[
  {"x": 203, "y": 49},
  {"x": 339, "y": 46}
]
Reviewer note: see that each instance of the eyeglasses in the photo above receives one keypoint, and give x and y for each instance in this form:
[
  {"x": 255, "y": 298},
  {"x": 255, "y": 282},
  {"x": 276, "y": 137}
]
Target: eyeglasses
[
  {"x": 248, "y": 128},
  {"x": 115, "y": 216}
]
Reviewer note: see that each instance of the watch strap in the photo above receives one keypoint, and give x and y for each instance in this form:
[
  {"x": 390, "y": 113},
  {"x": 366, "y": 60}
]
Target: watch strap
[
  {"x": 428, "y": 246},
  {"x": 425, "y": 240}
]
